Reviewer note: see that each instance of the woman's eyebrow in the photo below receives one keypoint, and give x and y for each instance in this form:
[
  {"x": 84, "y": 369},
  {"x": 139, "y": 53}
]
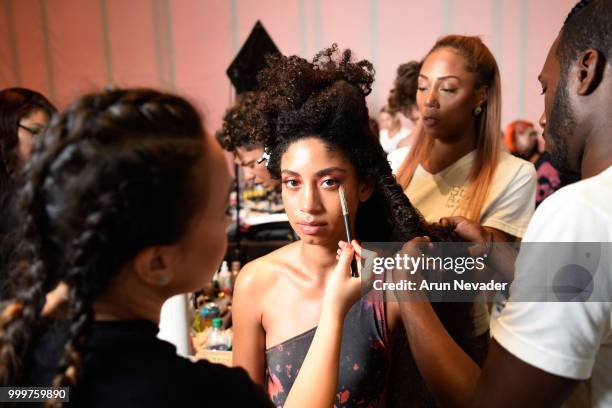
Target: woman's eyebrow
[
  {"x": 320, "y": 173},
  {"x": 330, "y": 170},
  {"x": 290, "y": 173},
  {"x": 443, "y": 77}
]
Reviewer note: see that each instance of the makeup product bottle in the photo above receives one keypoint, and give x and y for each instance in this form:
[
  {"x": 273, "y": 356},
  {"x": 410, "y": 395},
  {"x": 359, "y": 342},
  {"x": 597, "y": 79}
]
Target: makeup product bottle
[
  {"x": 225, "y": 279},
  {"x": 216, "y": 338}
]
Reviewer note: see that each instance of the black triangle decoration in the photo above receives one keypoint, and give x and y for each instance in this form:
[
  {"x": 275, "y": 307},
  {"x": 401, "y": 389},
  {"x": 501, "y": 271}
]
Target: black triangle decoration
[{"x": 251, "y": 58}]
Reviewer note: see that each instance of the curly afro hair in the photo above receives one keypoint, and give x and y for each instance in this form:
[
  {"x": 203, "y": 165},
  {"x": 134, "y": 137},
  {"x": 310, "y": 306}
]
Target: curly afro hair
[
  {"x": 403, "y": 94},
  {"x": 237, "y": 130}
]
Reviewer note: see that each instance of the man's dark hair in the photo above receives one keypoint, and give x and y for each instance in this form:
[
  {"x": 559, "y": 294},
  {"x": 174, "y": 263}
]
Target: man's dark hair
[
  {"x": 238, "y": 130},
  {"x": 586, "y": 26}
]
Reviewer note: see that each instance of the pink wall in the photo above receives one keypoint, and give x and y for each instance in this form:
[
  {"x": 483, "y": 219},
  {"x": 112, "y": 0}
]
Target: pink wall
[{"x": 66, "y": 47}]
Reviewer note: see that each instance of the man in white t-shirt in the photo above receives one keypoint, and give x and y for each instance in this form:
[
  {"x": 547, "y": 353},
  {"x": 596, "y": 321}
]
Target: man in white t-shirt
[{"x": 541, "y": 351}]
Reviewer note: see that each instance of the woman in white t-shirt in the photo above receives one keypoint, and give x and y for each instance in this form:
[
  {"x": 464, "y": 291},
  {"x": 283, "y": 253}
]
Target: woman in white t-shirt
[
  {"x": 391, "y": 130},
  {"x": 456, "y": 166}
]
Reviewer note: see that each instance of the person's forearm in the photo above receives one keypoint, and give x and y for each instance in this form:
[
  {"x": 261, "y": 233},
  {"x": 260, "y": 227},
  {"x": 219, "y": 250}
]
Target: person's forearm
[
  {"x": 449, "y": 372},
  {"x": 320, "y": 366}
]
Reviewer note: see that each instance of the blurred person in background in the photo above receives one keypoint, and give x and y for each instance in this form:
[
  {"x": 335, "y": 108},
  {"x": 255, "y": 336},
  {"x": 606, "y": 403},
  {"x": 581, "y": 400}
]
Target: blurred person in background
[
  {"x": 403, "y": 99},
  {"x": 24, "y": 116},
  {"x": 391, "y": 131},
  {"x": 521, "y": 139},
  {"x": 238, "y": 137}
]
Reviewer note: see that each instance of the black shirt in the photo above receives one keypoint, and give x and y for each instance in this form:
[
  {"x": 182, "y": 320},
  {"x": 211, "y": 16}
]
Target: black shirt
[
  {"x": 126, "y": 365},
  {"x": 8, "y": 241}
]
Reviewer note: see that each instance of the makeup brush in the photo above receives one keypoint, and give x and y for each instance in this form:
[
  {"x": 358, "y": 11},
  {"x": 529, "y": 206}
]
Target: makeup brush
[{"x": 347, "y": 229}]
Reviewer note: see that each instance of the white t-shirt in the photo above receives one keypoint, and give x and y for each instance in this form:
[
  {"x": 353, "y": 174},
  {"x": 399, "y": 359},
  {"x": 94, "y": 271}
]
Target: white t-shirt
[
  {"x": 570, "y": 339},
  {"x": 397, "y": 157},
  {"x": 388, "y": 143},
  {"x": 508, "y": 207}
]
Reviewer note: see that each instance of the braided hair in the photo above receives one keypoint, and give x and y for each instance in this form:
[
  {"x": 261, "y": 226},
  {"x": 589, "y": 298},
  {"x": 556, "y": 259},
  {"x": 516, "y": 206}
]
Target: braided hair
[{"x": 114, "y": 174}]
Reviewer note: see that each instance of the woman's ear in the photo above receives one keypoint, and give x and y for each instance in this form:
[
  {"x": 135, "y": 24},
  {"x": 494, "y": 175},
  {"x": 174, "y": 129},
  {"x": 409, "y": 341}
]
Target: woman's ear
[
  {"x": 481, "y": 95},
  {"x": 152, "y": 265},
  {"x": 365, "y": 191}
]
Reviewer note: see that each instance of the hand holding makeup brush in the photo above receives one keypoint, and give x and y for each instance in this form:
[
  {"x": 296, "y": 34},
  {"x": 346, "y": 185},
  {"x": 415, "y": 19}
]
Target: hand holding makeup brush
[
  {"x": 342, "y": 290},
  {"x": 347, "y": 228}
]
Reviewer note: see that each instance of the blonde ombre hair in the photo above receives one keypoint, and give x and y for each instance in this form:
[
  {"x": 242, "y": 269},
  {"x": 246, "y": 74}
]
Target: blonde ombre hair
[{"x": 481, "y": 62}]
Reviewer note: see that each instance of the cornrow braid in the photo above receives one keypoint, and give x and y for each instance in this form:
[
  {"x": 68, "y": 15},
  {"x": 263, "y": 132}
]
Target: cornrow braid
[
  {"x": 69, "y": 368},
  {"x": 84, "y": 252},
  {"x": 116, "y": 173}
]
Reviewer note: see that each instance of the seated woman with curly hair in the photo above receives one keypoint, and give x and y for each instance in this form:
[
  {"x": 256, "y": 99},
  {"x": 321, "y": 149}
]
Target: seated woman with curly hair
[{"x": 316, "y": 119}]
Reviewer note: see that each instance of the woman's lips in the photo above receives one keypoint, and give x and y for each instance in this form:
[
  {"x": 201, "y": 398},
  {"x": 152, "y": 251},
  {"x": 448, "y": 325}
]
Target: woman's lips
[
  {"x": 311, "y": 228},
  {"x": 430, "y": 121}
]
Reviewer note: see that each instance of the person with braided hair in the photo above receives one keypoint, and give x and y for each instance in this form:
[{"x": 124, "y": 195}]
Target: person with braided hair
[
  {"x": 315, "y": 119},
  {"x": 125, "y": 200}
]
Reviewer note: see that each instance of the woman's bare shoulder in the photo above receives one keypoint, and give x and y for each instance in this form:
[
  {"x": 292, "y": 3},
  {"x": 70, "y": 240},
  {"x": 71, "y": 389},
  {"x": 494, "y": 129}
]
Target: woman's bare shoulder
[{"x": 261, "y": 272}]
